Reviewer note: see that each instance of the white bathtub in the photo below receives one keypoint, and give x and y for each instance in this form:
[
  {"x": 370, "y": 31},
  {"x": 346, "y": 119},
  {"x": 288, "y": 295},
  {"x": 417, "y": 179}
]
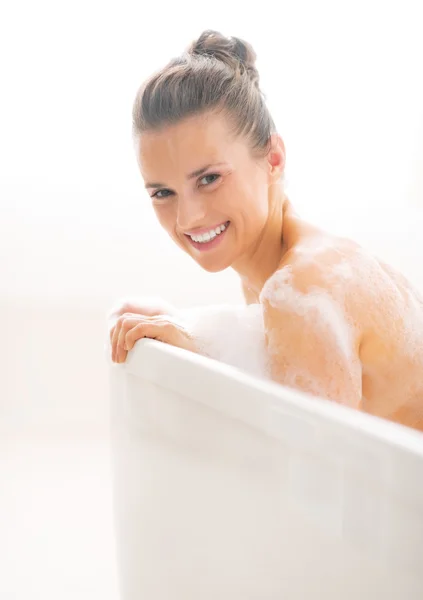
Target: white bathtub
[{"x": 228, "y": 487}]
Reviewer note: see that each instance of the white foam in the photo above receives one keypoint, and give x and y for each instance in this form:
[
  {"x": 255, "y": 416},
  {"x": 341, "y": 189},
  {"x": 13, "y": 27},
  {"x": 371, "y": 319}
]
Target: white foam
[
  {"x": 358, "y": 294},
  {"x": 232, "y": 334},
  {"x": 342, "y": 270},
  {"x": 318, "y": 307}
]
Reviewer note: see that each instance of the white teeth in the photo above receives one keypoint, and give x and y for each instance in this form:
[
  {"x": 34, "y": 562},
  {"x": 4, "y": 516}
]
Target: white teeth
[{"x": 201, "y": 238}]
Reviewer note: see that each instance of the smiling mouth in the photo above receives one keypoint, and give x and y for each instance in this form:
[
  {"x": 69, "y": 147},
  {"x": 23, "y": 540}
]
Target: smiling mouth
[{"x": 208, "y": 239}]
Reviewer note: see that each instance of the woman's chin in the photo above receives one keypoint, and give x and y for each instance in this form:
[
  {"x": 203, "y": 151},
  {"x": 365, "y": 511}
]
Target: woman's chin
[{"x": 211, "y": 264}]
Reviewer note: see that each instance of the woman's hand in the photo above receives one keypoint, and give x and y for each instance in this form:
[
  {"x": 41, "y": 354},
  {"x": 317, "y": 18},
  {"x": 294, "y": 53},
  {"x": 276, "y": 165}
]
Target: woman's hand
[
  {"x": 149, "y": 307},
  {"x": 131, "y": 327},
  {"x": 145, "y": 307}
]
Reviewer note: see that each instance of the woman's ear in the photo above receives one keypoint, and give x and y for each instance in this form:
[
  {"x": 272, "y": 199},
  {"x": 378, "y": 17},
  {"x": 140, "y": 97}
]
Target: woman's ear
[{"x": 276, "y": 158}]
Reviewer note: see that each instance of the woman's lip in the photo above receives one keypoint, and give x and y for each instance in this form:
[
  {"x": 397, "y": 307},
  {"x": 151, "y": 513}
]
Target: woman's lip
[
  {"x": 205, "y": 229},
  {"x": 204, "y": 246}
]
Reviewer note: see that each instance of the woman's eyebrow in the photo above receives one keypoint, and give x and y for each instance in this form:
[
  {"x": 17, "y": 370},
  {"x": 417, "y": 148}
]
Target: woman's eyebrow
[
  {"x": 199, "y": 172},
  {"x": 192, "y": 175},
  {"x": 154, "y": 185}
]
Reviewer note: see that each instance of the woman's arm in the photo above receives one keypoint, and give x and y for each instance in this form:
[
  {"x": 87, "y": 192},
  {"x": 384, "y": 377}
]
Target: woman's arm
[{"x": 311, "y": 342}]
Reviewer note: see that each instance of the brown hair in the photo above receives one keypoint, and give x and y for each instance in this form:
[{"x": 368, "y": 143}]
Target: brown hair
[{"x": 215, "y": 73}]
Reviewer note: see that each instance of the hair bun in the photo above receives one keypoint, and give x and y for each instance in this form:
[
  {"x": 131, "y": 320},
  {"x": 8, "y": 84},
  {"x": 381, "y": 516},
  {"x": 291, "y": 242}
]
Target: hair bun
[{"x": 233, "y": 51}]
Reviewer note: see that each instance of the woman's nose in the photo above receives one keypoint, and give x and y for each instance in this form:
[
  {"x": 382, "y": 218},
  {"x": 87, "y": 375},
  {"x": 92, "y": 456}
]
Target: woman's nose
[{"x": 191, "y": 213}]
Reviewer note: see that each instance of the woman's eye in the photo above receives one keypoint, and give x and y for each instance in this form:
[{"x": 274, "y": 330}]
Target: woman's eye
[
  {"x": 162, "y": 194},
  {"x": 208, "y": 179}
]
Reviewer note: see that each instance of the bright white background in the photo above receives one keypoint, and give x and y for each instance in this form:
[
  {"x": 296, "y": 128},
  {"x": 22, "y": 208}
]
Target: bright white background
[{"x": 76, "y": 228}]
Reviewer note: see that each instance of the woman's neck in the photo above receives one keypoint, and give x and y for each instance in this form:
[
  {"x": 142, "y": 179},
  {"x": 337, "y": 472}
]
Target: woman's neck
[{"x": 273, "y": 242}]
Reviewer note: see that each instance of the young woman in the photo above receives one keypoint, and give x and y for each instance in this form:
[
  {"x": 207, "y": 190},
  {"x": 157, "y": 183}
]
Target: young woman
[{"x": 339, "y": 324}]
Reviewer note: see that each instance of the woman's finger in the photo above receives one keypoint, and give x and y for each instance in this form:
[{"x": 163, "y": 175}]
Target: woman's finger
[
  {"x": 126, "y": 322},
  {"x": 114, "y": 334},
  {"x": 162, "y": 330},
  {"x": 147, "y": 329},
  {"x": 130, "y": 328},
  {"x": 118, "y": 352}
]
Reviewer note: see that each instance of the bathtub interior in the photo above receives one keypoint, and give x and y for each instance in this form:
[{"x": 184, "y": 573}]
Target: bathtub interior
[{"x": 227, "y": 486}]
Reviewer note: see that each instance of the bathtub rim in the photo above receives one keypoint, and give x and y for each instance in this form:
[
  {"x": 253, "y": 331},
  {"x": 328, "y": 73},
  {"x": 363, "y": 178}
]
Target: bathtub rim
[{"x": 172, "y": 368}]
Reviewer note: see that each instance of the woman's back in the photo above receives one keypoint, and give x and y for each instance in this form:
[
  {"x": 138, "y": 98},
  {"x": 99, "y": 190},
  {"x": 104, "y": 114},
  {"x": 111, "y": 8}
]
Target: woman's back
[
  {"x": 379, "y": 315},
  {"x": 392, "y": 351}
]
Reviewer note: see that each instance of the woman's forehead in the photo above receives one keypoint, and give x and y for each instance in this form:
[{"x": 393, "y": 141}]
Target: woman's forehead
[{"x": 187, "y": 145}]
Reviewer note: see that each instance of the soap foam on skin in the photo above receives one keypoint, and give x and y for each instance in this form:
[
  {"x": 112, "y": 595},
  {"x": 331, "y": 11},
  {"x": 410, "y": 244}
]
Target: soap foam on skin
[
  {"x": 317, "y": 307},
  {"x": 359, "y": 298},
  {"x": 235, "y": 334},
  {"x": 363, "y": 297},
  {"x": 323, "y": 312},
  {"x": 342, "y": 270}
]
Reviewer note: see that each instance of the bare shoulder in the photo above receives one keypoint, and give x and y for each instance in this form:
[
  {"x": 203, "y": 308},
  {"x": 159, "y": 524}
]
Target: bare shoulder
[
  {"x": 325, "y": 278},
  {"x": 320, "y": 266},
  {"x": 333, "y": 313},
  {"x": 312, "y": 336}
]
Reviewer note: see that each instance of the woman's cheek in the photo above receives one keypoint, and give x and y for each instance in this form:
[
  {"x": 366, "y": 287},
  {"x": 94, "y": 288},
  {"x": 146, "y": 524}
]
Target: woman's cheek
[{"x": 164, "y": 216}]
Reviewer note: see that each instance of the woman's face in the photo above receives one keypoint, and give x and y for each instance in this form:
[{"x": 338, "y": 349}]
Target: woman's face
[{"x": 208, "y": 190}]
